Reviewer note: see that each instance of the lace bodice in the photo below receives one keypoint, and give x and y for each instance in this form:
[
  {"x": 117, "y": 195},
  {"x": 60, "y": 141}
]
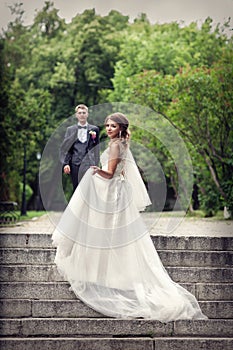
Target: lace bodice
[{"x": 105, "y": 157}]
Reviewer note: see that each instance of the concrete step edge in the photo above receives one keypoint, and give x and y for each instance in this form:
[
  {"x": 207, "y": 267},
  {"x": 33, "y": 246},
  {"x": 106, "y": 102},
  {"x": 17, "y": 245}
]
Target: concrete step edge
[
  {"x": 74, "y": 308},
  {"x": 114, "y": 343},
  {"x": 72, "y": 300},
  {"x": 52, "y": 249},
  {"x": 113, "y": 320},
  {"x": 181, "y": 274},
  {"x": 115, "y": 338},
  {"x": 55, "y": 290},
  {"x": 67, "y": 283},
  {"x": 180, "y": 242},
  {"x": 172, "y": 338},
  {"x": 169, "y": 257},
  {"x": 116, "y": 327}
]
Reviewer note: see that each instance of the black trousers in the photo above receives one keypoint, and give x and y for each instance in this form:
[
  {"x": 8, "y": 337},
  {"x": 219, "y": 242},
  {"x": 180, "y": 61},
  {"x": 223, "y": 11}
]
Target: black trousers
[{"x": 77, "y": 172}]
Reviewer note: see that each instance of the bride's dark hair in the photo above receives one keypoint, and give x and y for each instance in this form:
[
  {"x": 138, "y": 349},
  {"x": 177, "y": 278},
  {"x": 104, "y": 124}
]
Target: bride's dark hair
[{"x": 123, "y": 122}]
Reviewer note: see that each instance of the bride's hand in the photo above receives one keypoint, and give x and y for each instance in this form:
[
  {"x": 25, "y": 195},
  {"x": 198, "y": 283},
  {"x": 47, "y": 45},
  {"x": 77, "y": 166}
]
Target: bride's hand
[{"x": 95, "y": 169}]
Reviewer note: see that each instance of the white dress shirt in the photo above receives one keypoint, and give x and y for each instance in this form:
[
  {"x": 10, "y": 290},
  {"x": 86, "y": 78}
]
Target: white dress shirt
[{"x": 82, "y": 133}]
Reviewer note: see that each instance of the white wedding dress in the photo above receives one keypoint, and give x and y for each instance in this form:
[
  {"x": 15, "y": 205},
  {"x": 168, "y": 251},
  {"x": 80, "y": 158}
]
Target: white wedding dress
[{"x": 105, "y": 252}]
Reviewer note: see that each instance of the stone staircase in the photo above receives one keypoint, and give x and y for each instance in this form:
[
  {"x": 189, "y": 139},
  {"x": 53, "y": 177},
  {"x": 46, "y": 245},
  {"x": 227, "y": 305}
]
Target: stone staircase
[{"x": 38, "y": 310}]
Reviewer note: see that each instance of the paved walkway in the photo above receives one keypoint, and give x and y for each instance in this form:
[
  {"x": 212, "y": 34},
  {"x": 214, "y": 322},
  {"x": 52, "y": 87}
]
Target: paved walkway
[{"x": 174, "y": 224}]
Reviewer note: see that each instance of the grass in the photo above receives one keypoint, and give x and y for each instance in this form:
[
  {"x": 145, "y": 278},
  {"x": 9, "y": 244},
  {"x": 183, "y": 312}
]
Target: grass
[
  {"x": 30, "y": 215},
  {"x": 196, "y": 214},
  {"x": 199, "y": 214}
]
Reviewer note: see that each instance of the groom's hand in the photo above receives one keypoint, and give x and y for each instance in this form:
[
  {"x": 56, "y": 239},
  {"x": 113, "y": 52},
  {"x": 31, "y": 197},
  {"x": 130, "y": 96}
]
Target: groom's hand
[{"x": 66, "y": 169}]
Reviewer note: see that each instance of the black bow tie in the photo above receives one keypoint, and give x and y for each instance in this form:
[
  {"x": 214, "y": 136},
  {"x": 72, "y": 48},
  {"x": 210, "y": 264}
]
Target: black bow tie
[{"x": 82, "y": 127}]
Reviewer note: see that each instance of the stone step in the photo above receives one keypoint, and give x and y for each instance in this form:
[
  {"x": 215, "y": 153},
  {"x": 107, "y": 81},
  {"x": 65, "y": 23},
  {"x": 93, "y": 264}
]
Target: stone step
[
  {"x": 47, "y": 315},
  {"x": 105, "y": 327},
  {"x": 25, "y": 240},
  {"x": 174, "y": 258},
  {"x": 61, "y": 290},
  {"x": 49, "y": 273},
  {"x": 35, "y": 240},
  {"x": 192, "y": 343},
  {"x": 80, "y": 344},
  {"x": 14, "y": 308},
  {"x": 142, "y": 343}
]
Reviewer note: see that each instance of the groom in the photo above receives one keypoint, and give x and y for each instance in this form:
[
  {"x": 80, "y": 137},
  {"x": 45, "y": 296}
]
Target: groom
[{"x": 80, "y": 147}]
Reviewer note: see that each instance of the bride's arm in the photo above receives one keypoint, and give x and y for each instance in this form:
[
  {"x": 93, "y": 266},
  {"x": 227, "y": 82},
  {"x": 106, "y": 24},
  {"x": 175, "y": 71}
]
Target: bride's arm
[{"x": 112, "y": 163}]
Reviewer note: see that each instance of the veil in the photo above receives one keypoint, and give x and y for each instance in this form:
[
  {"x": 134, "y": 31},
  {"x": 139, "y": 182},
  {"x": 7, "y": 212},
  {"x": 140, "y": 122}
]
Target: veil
[{"x": 140, "y": 196}]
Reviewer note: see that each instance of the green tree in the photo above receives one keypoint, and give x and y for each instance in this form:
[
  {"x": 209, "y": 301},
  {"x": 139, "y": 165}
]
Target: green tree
[
  {"x": 47, "y": 22},
  {"x": 46, "y": 69},
  {"x": 203, "y": 114},
  {"x": 165, "y": 48},
  {"x": 198, "y": 102},
  {"x": 12, "y": 55}
]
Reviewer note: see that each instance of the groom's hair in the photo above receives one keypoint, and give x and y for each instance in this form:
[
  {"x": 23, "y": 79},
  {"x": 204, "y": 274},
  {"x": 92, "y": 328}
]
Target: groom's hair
[{"x": 82, "y": 106}]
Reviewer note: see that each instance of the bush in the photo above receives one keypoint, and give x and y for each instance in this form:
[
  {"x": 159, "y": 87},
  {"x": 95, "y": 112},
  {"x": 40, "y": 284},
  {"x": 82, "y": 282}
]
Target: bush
[{"x": 209, "y": 200}]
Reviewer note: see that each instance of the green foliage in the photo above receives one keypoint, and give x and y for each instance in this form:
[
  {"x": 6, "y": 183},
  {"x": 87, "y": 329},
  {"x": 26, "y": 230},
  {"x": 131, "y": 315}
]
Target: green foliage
[
  {"x": 210, "y": 201},
  {"x": 196, "y": 100},
  {"x": 203, "y": 111},
  {"x": 28, "y": 192},
  {"x": 165, "y": 48},
  {"x": 47, "y": 22},
  {"x": 47, "y": 68},
  {"x": 228, "y": 189},
  {"x": 31, "y": 214}
]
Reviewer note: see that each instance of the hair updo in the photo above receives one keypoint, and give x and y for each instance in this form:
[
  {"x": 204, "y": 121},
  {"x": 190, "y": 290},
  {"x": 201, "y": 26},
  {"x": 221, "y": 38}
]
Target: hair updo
[{"x": 123, "y": 122}]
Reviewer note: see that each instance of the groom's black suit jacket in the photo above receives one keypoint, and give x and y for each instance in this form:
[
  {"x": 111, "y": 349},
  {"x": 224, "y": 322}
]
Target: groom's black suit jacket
[{"x": 69, "y": 147}]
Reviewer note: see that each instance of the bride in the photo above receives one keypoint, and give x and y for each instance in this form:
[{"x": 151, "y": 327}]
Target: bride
[{"x": 104, "y": 248}]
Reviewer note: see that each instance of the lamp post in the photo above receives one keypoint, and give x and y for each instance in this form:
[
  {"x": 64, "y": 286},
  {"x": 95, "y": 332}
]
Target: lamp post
[
  {"x": 38, "y": 157},
  {"x": 24, "y": 203}
]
